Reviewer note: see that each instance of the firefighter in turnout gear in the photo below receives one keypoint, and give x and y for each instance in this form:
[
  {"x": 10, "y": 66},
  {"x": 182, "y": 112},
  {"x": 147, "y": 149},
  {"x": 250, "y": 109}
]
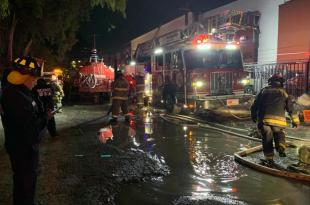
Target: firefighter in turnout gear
[
  {"x": 268, "y": 111},
  {"x": 45, "y": 93},
  {"x": 23, "y": 124},
  {"x": 58, "y": 94},
  {"x": 119, "y": 96}
]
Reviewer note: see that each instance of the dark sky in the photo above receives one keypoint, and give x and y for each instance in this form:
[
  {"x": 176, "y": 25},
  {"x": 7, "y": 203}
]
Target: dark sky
[{"x": 142, "y": 16}]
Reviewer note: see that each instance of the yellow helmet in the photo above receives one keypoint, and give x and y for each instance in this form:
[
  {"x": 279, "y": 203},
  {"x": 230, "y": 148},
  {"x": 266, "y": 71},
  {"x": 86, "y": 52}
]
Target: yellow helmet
[{"x": 26, "y": 65}]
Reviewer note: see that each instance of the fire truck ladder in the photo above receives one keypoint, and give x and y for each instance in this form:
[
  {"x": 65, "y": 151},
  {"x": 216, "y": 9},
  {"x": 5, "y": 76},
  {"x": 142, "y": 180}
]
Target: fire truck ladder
[{"x": 226, "y": 24}]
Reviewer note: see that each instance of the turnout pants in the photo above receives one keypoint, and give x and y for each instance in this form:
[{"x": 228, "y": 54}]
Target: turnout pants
[
  {"x": 24, "y": 165},
  {"x": 117, "y": 105},
  {"x": 270, "y": 134}
]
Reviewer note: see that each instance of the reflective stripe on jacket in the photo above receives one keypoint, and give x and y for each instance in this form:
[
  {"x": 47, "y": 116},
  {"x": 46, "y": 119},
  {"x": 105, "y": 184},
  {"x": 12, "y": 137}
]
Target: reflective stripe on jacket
[
  {"x": 120, "y": 89},
  {"x": 270, "y": 105}
]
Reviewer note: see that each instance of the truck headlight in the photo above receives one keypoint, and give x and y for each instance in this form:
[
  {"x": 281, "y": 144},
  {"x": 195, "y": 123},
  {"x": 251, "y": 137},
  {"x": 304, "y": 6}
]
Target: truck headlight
[{"x": 245, "y": 81}]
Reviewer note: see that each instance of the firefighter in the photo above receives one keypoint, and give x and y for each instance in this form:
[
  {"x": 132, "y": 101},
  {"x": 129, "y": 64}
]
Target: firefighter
[
  {"x": 59, "y": 94},
  {"x": 23, "y": 124},
  {"x": 168, "y": 94},
  {"x": 268, "y": 111},
  {"x": 132, "y": 91},
  {"x": 119, "y": 96},
  {"x": 45, "y": 93}
]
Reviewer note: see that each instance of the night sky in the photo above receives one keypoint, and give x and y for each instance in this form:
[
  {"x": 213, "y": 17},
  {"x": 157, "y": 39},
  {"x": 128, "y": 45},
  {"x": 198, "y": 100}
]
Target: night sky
[{"x": 142, "y": 16}]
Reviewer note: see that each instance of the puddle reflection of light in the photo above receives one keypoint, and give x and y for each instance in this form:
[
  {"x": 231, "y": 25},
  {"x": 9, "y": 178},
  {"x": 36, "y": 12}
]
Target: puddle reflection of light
[
  {"x": 134, "y": 141},
  {"x": 229, "y": 190},
  {"x": 212, "y": 169},
  {"x": 185, "y": 130},
  {"x": 198, "y": 188},
  {"x": 209, "y": 180}
]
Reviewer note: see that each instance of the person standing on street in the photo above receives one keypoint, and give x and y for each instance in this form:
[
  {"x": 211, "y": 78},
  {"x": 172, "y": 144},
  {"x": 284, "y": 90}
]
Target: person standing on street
[
  {"x": 268, "y": 111},
  {"x": 45, "y": 93},
  {"x": 23, "y": 124},
  {"x": 119, "y": 96},
  {"x": 58, "y": 94}
]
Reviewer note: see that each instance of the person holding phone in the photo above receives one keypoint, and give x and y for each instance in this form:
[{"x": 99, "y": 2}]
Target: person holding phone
[
  {"x": 44, "y": 92},
  {"x": 23, "y": 124}
]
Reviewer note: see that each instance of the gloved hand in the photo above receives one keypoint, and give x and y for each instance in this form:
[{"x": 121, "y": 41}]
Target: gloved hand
[
  {"x": 294, "y": 125},
  {"x": 50, "y": 114}
]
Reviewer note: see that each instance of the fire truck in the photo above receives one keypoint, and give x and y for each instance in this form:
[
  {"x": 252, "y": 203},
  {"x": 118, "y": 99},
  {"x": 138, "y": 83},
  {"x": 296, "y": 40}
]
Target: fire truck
[
  {"x": 95, "y": 78},
  {"x": 204, "y": 63}
]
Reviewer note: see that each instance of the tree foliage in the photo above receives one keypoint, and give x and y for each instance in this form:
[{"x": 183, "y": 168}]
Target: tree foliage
[
  {"x": 4, "y": 8},
  {"x": 45, "y": 27}
]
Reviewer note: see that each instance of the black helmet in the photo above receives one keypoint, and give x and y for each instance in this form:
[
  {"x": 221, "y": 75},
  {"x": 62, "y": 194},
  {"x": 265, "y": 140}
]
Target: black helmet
[
  {"x": 41, "y": 81},
  {"x": 118, "y": 73},
  {"x": 276, "y": 79},
  {"x": 27, "y": 65}
]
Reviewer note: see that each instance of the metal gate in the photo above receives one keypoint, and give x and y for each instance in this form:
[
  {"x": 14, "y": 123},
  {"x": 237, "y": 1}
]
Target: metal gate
[
  {"x": 296, "y": 76},
  {"x": 221, "y": 83}
]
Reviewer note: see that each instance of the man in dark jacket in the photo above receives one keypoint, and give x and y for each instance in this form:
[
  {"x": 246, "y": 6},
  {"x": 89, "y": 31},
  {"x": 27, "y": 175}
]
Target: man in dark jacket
[
  {"x": 22, "y": 124},
  {"x": 268, "y": 110},
  {"x": 45, "y": 93}
]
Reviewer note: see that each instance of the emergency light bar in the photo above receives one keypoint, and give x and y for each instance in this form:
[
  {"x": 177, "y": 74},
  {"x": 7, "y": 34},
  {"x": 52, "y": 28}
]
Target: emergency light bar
[{"x": 201, "y": 39}]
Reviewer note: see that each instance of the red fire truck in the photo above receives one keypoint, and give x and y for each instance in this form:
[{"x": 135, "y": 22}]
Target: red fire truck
[
  {"x": 95, "y": 77},
  {"x": 202, "y": 60},
  {"x": 201, "y": 68}
]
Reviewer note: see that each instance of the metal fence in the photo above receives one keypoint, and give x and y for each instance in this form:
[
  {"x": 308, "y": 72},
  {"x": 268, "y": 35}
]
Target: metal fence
[{"x": 296, "y": 75}]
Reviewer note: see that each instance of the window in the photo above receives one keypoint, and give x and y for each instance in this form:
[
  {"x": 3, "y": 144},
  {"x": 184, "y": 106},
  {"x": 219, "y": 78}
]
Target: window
[
  {"x": 177, "y": 62},
  {"x": 213, "y": 59},
  {"x": 143, "y": 59},
  {"x": 167, "y": 61}
]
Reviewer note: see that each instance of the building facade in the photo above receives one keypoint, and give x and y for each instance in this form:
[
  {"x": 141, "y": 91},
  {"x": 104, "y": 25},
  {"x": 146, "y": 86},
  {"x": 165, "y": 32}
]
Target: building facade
[
  {"x": 294, "y": 31},
  {"x": 267, "y": 47}
]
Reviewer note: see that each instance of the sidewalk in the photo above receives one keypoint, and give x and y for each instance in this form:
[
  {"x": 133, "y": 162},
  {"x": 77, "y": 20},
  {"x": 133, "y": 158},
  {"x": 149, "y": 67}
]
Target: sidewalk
[{"x": 67, "y": 118}]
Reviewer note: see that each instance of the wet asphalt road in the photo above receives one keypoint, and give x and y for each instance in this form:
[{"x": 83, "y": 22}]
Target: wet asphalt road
[
  {"x": 203, "y": 171},
  {"x": 78, "y": 169}
]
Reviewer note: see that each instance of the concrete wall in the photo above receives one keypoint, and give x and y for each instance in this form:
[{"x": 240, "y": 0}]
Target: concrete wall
[
  {"x": 268, "y": 39},
  {"x": 294, "y": 31}
]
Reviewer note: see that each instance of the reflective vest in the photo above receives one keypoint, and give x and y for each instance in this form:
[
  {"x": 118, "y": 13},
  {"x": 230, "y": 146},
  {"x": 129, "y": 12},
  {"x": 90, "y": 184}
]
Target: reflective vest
[
  {"x": 270, "y": 106},
  {"x": 120, "y": 89}
]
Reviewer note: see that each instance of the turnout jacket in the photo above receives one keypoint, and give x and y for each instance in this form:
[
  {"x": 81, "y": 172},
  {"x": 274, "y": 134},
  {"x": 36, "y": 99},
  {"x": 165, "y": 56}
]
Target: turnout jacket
[
  {"x": 120, "y": 89},
  {"x": 270, "y": 105},
  {"x": 45, "y": 93},
  {"x": 22, "y": 120}
]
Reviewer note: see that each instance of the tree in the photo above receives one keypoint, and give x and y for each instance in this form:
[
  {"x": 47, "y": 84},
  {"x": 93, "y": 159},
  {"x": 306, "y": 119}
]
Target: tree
[{"x": 46, "y": 26}]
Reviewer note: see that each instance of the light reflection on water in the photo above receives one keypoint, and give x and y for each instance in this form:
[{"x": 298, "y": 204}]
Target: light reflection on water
[
  {"x": 203, "y": 171},
  {"x": 213, "y": 170}
]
